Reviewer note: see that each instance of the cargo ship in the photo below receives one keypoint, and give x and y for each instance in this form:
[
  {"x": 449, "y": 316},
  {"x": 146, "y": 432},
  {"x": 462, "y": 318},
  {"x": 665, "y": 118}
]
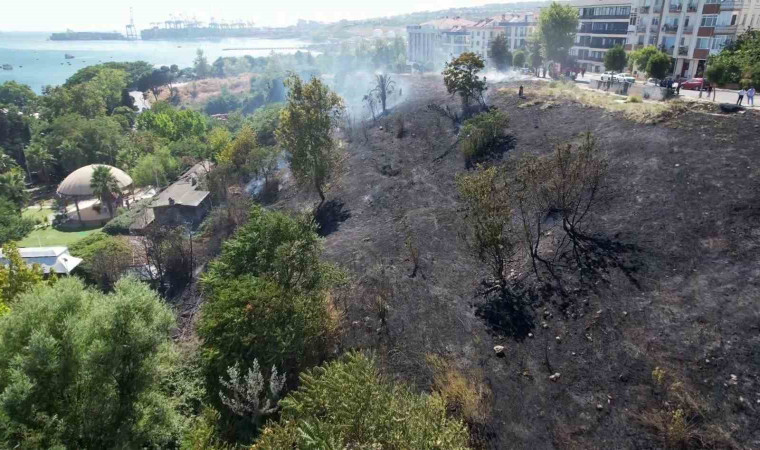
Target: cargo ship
[{"x": 87, "y": 36}]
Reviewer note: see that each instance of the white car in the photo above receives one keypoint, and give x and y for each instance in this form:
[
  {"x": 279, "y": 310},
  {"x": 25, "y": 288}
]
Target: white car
[
  {"x": 608, "y": 76},
  {"x": 624, "y": 78}
]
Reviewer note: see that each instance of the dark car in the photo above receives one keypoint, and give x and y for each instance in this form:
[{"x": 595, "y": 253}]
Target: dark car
[{"x": 695, "y": 83}]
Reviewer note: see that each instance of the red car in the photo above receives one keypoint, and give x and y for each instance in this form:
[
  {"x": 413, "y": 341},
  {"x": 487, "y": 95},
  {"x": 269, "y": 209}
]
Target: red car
[{"x": 695, "y": 84}]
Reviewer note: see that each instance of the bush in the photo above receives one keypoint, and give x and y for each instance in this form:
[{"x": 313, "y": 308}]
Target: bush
[
  {"x": 81, "y": 369},
  {"x": 483, "y": 133},
  {"x": 348, "y": 404},
  {"x": 13, "y": 226},
  {"x": 105, "y": 258},
  {"x": 275, "y": 246},
  {"x": 125, "y": 218},
  {"x": 634, "y": 99}
]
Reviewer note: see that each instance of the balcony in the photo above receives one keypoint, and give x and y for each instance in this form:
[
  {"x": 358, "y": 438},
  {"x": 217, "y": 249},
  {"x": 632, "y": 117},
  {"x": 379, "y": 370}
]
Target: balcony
[
  {"x": 644, "y": 9},
  {"x": 683, "y": 50},
  {"x": 641, "y": 28},
  {"x": 691, "y": 8},
  {"x": 725, "y": 29},
  {"x": 592, "y": 31},
  {"x": 670, "y": 28},
  {"x": 654, "y": 28},
  {"x": 590, "y": 58},
  {"x": 657, "y": 9},
  {"x": 729, "y": 5},
  {"x": 675, "y": 8},
  {"x": 688, "y": 29},
  {"x": 617, "y": 16},
  {"x": 668, "y": 49}
]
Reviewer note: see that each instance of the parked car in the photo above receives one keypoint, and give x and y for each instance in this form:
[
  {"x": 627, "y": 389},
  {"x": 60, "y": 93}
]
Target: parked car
[
  {"x": 624, "y": 78},
  {"x": 695, "y": 83},
  {"x": 608, "y": 76}
]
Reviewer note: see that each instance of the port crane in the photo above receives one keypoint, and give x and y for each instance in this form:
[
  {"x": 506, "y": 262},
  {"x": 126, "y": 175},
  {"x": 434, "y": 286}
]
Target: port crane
[{"x": 131, "y": 29}]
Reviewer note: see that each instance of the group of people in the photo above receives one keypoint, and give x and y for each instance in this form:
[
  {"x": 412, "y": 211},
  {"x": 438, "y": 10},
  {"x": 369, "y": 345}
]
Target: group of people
[{"x": 750, "y": 93}]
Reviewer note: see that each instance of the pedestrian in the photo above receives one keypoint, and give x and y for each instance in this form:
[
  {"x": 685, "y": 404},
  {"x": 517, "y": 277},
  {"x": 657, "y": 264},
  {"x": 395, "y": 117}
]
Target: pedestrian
[
  {"x": 751, "y": 96},
  {"x": 678, "y": 88},
  {"x": 742, "y": 93},
  {"x": 583, "y": 72},
  {"x": 709, "y": 90}
]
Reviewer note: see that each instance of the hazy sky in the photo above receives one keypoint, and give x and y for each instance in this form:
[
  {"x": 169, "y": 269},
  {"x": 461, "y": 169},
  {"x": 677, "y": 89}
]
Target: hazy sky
[{"x": 107, "y": 15}]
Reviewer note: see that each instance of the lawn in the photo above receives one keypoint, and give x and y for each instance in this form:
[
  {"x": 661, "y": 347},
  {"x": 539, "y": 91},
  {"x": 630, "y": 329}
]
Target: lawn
[
  {"x": 37, "y": 213},
  {"x": 47, "y": 237}
]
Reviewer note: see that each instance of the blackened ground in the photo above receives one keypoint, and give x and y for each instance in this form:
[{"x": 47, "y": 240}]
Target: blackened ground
[{"x": 684, "y": 193}]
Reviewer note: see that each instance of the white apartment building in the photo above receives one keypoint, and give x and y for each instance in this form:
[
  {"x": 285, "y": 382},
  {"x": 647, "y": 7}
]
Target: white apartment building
[
  {"x": 688, "y": 30},
  {"x": 603, "y": 24},
  {"x": 517, "y": 27},
  {"x": 437, "y": 41}
]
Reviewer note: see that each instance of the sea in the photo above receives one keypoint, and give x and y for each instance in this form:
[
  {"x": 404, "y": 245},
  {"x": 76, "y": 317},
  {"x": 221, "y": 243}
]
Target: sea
[{"x": 38, "y": 61}]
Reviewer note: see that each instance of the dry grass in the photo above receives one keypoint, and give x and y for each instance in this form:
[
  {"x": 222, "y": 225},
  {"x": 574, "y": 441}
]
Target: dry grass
[
  {"x": 638, "y": 111},
  {"x": 197, "y": 93},
  {"x": 682, "y": 419},
  {"x": 465, "y": 397}
]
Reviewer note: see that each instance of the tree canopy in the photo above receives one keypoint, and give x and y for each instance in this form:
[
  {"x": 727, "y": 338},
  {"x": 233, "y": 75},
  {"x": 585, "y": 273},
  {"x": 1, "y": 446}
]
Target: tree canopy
[
  {"x": 557, "y": 27},
  {"x": 17, "y": 94},
  {"x": 91, "y": 380},
  {"x": 461, "y": 78},
  {"x": 739, "y": 61},
  {"x": 518, "y": 59},
  {"x": 499, "y": 52},
  {"x": 305, "y": 132},
  {"x": 658, "y": 65},
  {"x": 615, "y": 59}
]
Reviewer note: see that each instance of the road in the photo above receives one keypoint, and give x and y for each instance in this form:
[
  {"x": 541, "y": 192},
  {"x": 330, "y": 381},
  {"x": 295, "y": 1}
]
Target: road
[{"x": 721, "y": 95}]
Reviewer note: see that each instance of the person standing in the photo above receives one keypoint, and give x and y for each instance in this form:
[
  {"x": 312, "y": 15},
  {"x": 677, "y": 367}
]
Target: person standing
[
  {"x": 751, "y": 96},
  {"x": 742, "y": 93}
]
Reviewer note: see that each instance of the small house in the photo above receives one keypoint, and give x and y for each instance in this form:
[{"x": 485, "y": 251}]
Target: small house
[
  {"x": 51, "y": 259},
  {"x": 183, "y": 202}
]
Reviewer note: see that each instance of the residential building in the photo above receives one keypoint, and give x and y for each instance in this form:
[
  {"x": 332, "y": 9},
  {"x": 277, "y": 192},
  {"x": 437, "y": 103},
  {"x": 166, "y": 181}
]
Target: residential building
[
  {"x": 51, "y": 259},
  {"x": 517, "y": 27},
  {"x": 436, "y": 41},
  {"x": 603, "y": 24},
  {"x": 183, "y": 203}
]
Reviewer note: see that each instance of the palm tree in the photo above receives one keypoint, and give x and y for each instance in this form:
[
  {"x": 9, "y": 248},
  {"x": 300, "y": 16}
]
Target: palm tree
[
  {"x": 383, "y": 88},
  {"x": 13, "y": 187},
  {"x": 104, "y": 186}
]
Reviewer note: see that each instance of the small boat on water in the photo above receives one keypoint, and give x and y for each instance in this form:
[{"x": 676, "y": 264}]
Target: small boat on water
[
  {"x": 7, "y": 67},
  {"x": 69, "y": 56}
]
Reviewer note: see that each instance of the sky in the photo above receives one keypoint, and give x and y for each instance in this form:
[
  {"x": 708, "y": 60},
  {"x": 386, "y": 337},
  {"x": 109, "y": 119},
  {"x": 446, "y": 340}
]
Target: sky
[{"x": 110, "y": 15}]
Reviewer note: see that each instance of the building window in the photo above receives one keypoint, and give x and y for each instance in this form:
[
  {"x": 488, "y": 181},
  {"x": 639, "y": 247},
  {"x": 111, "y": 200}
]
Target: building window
[
  {"x": 709, "y": 21},
  {"x": 703, "y": 43}
]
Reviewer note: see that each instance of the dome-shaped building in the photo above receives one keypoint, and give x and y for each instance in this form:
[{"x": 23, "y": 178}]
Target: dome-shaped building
[{"x": 78, "y": 185}]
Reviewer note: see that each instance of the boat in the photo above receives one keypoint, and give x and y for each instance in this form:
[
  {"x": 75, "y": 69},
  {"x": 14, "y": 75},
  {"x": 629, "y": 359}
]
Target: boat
[
  {"x": 69, "y": 56},
  {"x": 7, "y": 67}
]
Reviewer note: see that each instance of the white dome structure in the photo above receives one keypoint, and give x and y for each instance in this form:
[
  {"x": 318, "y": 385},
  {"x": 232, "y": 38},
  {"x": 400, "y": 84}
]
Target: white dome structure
[{"x": 77, "y": 184}]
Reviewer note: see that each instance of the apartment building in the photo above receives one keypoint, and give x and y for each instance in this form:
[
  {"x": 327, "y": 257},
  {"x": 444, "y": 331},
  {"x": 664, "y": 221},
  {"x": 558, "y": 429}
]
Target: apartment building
[
  {"x": 437, "y": 41},
  {"x": 688, "y": 30},
  {"x": 433, "y": 42},
  {"x": 603, "y": 24},
  {"x": 517, "y": 28}
]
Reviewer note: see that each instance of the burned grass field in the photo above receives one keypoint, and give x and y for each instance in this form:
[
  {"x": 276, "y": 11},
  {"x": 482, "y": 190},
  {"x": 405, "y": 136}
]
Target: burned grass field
[{"x": 661, "y": 354}]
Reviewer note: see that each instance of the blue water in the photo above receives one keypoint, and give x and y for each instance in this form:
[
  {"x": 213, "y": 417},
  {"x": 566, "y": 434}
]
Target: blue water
[{"x": 38, "y": 62}]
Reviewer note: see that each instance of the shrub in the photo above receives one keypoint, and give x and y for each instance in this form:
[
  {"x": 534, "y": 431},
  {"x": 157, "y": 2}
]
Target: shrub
[
  {"x": 105, "y": 258},
  {"x": 125, "y": 218},
  {"x": 81, "y": 369},
  {"x": 483, "y": 133},
  {"x": 348, "y": 404},
  {"x": 275, "y": 246},
  {"x": 634, "y": 99}
]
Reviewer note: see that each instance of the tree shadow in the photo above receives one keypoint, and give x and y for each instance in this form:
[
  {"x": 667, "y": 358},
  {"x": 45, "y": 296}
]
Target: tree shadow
[
  {"x": 506, "y": 314},
  {"x": 329, "y": 216}
]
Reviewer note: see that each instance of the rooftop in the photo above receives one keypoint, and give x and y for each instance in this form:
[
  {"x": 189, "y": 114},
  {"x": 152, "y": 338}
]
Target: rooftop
[
  {"x": 185, "y": 190},
  {"x": 55, "y": 259}
]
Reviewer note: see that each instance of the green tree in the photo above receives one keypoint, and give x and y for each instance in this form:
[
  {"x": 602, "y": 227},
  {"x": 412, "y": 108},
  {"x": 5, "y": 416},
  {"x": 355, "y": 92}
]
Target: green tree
[
  {"x": 200, "y": 65},
  {"x": 39, "y": 159},
  {"x": 640, "y": 57},
  {"x": 461, "y": 77},
  {"x": 13, "y": 187},
  {"x": 615, "y": 59},
  {"x": 93, "y": 379},
  {"x": 170, "y": 123},
  {"x": 499, "y": 52},
  {"x": 322, "y": 413},
  {"x": 17, "y": 94},
  {"x": 557, "y": 27},
  {"x": 536, "y": 53},
  {"x": 236, "y": 153},
  {"x": 105, "y": 186},
  {"x": 305, "y": 131},
  {"x": 384, "y": 87},
  {"x": 658, "y": 65},
  {"x": 720, "y": 72},
  {"x": 158, "y": 169},
  {"x": 518, "y": 59},
  {"x": 483, "y": 133},
  {"x": 109, "y": 83},
  {"x": 16, "y": 277},
  {"x": 264, "y": 122},
  {"x": 13, "y": 226},
  {"x": 104, "y": 259}
]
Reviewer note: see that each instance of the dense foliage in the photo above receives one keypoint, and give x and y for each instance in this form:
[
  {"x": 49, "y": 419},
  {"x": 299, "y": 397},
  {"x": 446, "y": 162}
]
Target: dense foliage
[
  {"x": 13, "y": 227},
  {"x": 499, "y": 52},
  {"x": 615, "y": 59},
  {"x": 483, "y": 133},
  {"x": 738, "y": 62},
  {"x": 461, "y": 78},
  {"x": 91, "y": 380},
  {"x": 557, "y": 26},
  {"x": 104, "y": 259},
  {"x": 349, "y": 404}
]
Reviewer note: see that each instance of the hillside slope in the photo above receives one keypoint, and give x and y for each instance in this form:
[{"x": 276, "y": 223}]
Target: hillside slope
[{"x": 685, "y": 193}]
